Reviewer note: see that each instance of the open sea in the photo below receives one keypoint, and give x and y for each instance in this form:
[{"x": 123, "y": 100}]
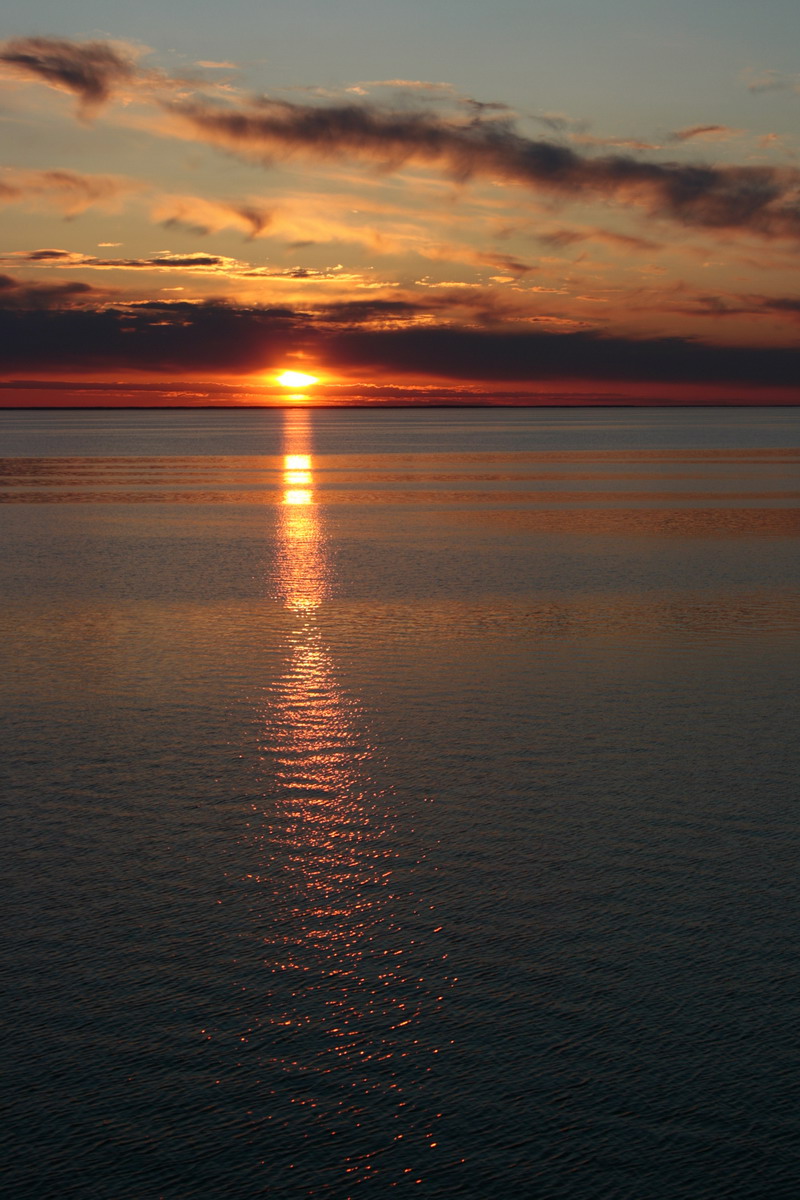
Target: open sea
[{"x": 401, "y": 802}]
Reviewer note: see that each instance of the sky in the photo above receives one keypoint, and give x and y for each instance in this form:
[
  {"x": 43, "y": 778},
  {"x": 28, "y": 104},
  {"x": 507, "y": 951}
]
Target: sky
[{"x": 582, "y": 201}]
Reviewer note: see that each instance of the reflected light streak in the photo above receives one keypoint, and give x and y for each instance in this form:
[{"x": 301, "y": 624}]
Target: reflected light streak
[
  {"x": 302, "y": 568},
  {"x": 297, "y": 462},
  {"x": 329, "y": 817},
  {"x": 343, "y": 998},
  {"x": 297, "y": 497}
]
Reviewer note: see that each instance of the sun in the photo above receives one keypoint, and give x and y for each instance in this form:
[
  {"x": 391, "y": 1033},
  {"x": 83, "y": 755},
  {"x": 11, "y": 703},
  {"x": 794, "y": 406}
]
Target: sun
[{"x": 295, "y": 379}]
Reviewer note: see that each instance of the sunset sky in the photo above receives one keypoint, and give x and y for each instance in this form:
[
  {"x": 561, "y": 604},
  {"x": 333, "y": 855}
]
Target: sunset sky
[{"x": 533, "y": 201}]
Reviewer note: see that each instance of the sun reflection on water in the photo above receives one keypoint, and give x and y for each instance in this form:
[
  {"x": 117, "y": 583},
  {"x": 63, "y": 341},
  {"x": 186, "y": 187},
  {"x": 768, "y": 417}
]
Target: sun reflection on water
[{"x": 343, "y": 1026}]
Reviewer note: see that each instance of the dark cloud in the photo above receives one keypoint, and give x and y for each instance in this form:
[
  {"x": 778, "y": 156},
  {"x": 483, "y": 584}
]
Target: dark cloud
[
  {"x": 358, "y": 312},
  {"x": 46, "y": 255},
  {"x": 207, "y": 308},
  {"x": 204, "y": 338},
  {"x": 784, "y": 304},
  {"x": 718, "y": 306},
  {"x": 739, "y": 306},
  {"x": 90, "y": 70},
  {"x": 449, "y": 305},
  {"x": 173, "y": 261},
  {"x": 759, "y": 199},
  {"x": 533, "y": 357},
  {"x": 160, "y": 262},
  {"x": 19, "y": 294}
]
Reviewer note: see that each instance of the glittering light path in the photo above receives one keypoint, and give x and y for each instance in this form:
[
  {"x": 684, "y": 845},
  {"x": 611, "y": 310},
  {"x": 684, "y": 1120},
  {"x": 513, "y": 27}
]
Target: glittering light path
[{"x": 348, "y": 1029}]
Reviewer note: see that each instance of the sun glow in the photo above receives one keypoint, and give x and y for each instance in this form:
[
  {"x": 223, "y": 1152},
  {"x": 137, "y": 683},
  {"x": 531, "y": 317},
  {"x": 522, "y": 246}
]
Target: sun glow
[{"x": 294, "y": 379}]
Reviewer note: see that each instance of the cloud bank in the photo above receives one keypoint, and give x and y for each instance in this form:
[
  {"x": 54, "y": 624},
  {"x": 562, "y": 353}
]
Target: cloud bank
[{"x": 198, "y": 338}]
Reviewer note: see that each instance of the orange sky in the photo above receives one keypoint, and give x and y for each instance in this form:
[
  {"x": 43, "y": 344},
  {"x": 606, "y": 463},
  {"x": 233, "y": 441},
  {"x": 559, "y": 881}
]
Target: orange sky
[{"x": 184, "y": 235}]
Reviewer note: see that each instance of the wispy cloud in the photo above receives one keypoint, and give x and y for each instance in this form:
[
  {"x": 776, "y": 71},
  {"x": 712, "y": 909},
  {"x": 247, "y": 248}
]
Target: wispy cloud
[
  {"x": 412, "y": 85},
  {"x": 96, "y": 72},
  {"x": 624, "y": 241},
  {"x": 757, "y": 199},
  {"x": 384, "y": 229},
  {"x": 725, "y": 306},
  {"x": 625, "y": 143},
  {"x": 202, "y": 216},
  {"x": 91, "y": 71},
  {"x": 68, "y": 192},
  {"x": 705, "y": 133},
  {"x": 771, "y": 81},
  {"x": 761, "y": 200},
  {"x": 560, "y": 122}
]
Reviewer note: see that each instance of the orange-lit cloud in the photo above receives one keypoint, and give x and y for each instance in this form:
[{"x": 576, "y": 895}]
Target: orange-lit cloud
[
  {"x": 762, "y": 200},
  {"x": 624, "y": 241},
  {"x": 203, "y": 216},
  {"x": 759, "y": 199},
  {"x": 575, "y": 255},
  {"x": 68, "y": 192},
  {"x": 92, "y": 71},
  {"x": 705, "y": 133}
]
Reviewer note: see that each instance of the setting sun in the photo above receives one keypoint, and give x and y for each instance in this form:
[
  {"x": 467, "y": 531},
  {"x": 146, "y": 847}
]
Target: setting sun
[{"x": 295, "y": 379}]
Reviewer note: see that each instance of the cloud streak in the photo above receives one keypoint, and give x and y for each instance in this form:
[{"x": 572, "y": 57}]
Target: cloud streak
[
  {"x": 762, "y": 200},
  {"x": 705, "y": 133},
  {"x": 201, "y": 216},
  {"x": 756, "y": 199},
  {"x": 69, "y": 192},
  {"x": 91, "y": 71},
  {"x": 194, "y": 263},
  {"x": 771, "y": 81}
]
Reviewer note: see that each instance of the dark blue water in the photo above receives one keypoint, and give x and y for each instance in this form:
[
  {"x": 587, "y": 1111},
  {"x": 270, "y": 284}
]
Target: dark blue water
[{"x": 401, "y": 802}]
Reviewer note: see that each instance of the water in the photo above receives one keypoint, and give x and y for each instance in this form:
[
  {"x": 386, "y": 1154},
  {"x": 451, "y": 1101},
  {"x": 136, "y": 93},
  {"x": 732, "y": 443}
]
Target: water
[{"x": 401, "y": 802}]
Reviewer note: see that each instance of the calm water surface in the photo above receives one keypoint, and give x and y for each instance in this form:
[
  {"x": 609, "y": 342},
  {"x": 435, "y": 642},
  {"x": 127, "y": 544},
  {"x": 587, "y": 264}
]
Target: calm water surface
[{"x": 401, "y": 803}]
